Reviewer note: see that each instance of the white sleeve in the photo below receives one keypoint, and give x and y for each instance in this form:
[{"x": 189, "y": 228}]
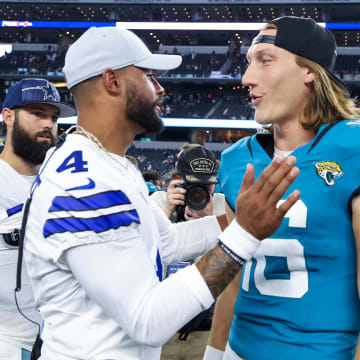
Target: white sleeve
[
  {"x": 120, "y": 278},
  {"x": 9, "y": 223},
  {"x": 185, "y": 240}
]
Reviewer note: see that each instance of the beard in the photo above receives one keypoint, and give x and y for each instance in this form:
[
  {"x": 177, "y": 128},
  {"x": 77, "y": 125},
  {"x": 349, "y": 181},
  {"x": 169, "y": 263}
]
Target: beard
[
  {"x": 142, "y": 112},
  {"x": 28, "y": 147}
]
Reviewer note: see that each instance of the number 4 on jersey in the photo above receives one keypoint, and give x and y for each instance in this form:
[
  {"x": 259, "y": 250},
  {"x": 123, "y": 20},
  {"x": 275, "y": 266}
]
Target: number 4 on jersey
[{"x": 74, "y": 161}]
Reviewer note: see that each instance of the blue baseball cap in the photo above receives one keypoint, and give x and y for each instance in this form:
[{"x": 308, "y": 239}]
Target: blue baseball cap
[{"x": 36, "y": 91}]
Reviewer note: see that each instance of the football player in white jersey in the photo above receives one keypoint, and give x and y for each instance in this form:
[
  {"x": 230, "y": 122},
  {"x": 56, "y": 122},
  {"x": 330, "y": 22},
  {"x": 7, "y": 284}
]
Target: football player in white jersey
[
  {"x": 30, "y": 112},
  {"x": 94, "y": 241}
]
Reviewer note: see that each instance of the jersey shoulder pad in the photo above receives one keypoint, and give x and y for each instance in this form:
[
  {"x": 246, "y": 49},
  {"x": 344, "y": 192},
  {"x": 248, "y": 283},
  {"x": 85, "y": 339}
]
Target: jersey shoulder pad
[{"x": 345, "y": 134}]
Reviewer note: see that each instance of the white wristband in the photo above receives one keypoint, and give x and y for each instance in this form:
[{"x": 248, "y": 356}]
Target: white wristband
[
  {"x": 213, "y": 354},
  {"x": 239, "y": 241}
]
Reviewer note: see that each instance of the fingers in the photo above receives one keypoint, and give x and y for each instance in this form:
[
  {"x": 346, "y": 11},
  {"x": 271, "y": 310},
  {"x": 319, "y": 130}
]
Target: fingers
[
  {"x": 248, "y": 178},
  {"x": 176, "y": 196},
  {"x": 279, "y": 191},
  {"x": 188, "y": 214},
  {"x": 287, "y": 204},
  {"x": 174, "y": 202},
  {"x": 191, "y": 214},
  {"x": 174, "y": 183},
  {"x": 256, "y": 204},
  {"x": 174, "y": 188},
  {"x": 268, "y": 172},
  {"x": 208, "y": 210},
  {"x": 272, "y": 181},
  {"x": 194, "y": 214}
]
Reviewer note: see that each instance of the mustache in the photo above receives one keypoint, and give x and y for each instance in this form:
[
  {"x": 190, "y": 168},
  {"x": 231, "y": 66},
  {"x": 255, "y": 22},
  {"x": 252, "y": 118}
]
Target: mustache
[{"x": 45, "y": 133}]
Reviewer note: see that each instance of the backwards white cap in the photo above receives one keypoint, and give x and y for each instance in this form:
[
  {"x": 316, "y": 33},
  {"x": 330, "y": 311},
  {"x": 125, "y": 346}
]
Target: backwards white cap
[{"x": 104, "y": 48}]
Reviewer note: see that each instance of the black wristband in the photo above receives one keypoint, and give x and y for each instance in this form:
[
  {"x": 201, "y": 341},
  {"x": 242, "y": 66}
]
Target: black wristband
[{"x": 231, "y": 254}]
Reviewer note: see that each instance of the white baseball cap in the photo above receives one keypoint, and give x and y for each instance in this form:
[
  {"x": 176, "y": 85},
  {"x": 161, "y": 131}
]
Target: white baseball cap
[{"x": 101, "y": 48}]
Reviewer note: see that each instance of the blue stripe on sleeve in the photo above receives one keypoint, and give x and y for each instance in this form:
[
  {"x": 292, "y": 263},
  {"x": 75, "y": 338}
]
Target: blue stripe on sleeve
[
  {"x": 98, "y": 224},
  {"x": 14, "y": 209},
  {"x": 92, "y": 202},
  {"x": 159, "y": 267}
]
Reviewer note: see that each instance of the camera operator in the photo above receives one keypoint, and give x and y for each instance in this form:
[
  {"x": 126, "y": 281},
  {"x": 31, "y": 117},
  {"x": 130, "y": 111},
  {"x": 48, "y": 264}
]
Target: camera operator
[
  {"x": 174, "y": 197},
  {"x": 192, "y": 196}
]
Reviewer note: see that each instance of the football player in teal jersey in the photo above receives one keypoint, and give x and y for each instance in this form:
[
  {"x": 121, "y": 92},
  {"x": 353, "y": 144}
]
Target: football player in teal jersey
[{"x": 298, "y": 295}]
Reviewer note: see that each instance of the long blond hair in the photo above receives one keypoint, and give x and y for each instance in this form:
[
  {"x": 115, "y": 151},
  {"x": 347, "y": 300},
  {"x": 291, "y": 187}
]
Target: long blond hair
[{"x": 328, "y": 101}]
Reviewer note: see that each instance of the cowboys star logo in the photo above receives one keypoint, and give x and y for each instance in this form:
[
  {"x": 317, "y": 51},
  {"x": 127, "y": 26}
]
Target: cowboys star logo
[{"x": 47, "y": 90}]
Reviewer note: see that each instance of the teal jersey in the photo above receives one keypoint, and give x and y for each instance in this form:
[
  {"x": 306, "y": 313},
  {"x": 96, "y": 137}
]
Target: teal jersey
[{"x": 298, "y": 297}]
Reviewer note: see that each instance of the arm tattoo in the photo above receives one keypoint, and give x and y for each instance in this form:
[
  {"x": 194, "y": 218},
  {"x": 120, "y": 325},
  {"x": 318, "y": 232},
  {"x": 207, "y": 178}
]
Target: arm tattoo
[{"x": 218, "y": 269}]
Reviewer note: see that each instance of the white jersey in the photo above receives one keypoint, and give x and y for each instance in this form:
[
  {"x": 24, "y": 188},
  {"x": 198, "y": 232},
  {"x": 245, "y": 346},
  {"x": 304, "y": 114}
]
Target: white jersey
[
  {"x": 14, "y": 328},
  {"x": 87, "y": 196}
]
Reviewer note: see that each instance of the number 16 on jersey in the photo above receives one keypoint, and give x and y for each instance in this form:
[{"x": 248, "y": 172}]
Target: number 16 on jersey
[{"x": 286, "y": 254}]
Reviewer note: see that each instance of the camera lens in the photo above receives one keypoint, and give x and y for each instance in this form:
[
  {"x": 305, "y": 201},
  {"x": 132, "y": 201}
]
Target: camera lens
[{"x": 197, "y": 197}]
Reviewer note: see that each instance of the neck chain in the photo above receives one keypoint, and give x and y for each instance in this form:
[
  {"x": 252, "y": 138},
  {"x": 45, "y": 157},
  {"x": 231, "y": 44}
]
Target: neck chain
[{"x": 93, "y": 138}]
